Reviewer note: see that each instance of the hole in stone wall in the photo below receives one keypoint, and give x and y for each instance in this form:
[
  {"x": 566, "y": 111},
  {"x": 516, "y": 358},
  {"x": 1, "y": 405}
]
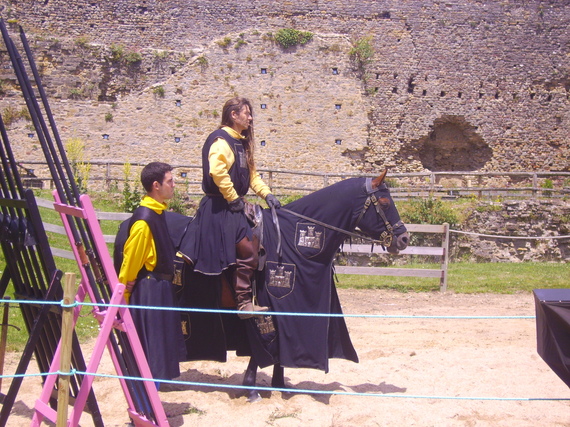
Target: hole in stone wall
[
  {"x": 411, "y": 85},
  {"x": 452, "y": 145}
]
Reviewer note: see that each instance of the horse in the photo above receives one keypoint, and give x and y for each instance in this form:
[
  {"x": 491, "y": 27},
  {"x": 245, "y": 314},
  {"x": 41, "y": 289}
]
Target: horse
[{"x": 295, "y": 275}]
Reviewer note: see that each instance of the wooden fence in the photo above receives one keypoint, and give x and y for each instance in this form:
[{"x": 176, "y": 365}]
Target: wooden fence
[
  {"x": 441, "y": 251},
  {"x": 107, "y": 176}
]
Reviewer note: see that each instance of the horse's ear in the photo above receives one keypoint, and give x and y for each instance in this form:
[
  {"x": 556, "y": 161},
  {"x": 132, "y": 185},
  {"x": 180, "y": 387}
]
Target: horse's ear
[{"x": 377, "y": 182}]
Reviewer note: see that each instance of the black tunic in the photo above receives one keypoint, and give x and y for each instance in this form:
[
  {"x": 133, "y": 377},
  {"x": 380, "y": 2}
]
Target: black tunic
[
  {"x": 216, "y": 230},
  {"x": 159, "y": 331}
]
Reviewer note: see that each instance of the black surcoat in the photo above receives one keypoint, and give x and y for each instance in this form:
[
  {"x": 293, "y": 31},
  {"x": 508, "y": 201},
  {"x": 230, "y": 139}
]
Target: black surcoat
[{"x": 239, "y": 171}]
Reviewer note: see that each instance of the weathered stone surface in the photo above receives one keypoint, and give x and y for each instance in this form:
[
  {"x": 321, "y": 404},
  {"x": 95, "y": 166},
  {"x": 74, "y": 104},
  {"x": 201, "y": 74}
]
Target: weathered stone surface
[
  {"x": 526, "y": 218},
  {"x": 500, "y": 69}
]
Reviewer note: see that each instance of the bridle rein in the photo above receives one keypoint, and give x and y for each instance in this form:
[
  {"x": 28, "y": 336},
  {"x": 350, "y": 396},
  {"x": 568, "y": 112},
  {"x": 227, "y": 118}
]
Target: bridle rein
[{"x": 386, "y": 236}]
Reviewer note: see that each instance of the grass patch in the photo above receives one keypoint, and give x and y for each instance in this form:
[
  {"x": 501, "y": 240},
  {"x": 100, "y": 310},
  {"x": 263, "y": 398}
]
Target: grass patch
[
  {"x": 464, "y": 277},
  {"x": 87, "y": 326}
]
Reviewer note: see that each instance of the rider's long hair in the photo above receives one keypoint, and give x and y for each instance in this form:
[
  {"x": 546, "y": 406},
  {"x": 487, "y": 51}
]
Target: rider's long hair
[{"x": 236, "y": 104}]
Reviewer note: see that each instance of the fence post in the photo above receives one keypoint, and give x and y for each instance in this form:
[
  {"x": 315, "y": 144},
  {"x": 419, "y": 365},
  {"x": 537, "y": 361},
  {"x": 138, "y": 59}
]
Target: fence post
[
  {"x": 108, "y": 176},
  {"x": 65, "y": 349},
  {"x": 445, "y": 258}
]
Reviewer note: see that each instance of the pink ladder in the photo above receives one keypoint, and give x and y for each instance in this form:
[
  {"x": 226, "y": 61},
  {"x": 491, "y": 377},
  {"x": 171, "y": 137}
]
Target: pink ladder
[{"x": 143, "y": 410}]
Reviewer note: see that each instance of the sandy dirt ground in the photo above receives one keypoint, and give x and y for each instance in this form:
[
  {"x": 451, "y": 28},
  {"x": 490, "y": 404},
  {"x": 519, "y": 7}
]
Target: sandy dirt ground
[{"x": 414, "y": 371}]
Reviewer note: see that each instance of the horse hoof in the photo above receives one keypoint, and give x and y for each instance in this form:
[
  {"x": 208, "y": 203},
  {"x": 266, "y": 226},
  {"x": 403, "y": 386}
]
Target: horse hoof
[{"x": 253, "y": 396}]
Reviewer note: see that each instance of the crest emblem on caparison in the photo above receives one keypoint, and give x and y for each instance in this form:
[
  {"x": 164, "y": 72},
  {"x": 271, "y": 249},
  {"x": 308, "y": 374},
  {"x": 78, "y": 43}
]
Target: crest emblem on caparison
[
  {"x": 309, "y": 239},
  {"x": 280, "y": 278}
]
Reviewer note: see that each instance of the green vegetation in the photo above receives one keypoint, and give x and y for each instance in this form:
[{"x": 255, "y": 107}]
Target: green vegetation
[
  {"x": 427, "y": 211},
  {"x": 464, "y": 277},
  {"x": 239, "y": 43},
  {"x": 118, "y": 54},
  {"x": 159, "y": 91},
  {"x": 289, "y": 37},
  {"x": 224, "y": 43},
  {"x": 11, "y": 114},
  {"x": 83, "y": 42},
  {"x": 362, "y": 52},
  {"x": 75, "y": 149},
  {"x": 133, "y": 57},
  {"x": 548, "y": 184},
  {"x": 87, "y": 326},
  {"x": 131, "y": 198}
]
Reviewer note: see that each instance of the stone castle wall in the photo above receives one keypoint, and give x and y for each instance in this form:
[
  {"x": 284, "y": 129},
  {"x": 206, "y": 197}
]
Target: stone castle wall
[{"x": 452, "y": 85}]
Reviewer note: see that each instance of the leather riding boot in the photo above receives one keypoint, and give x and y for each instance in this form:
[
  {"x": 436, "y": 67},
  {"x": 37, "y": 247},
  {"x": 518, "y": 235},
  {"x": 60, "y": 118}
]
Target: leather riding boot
[{"x": 246, "y": 265}]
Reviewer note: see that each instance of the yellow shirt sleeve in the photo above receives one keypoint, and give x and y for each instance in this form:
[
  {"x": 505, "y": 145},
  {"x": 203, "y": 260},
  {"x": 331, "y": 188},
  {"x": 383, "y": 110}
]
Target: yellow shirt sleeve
[
  {"x": 221, "y": 158},
  {"x": 257, "y": 185},
  {"x": 139, "y": 252}
]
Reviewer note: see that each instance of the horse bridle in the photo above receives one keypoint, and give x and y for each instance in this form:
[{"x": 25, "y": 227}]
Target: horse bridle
[{"x": 386, "y": 236}]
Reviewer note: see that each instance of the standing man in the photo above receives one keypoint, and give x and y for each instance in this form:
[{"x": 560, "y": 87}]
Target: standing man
[{"x": 147, "y": 271}]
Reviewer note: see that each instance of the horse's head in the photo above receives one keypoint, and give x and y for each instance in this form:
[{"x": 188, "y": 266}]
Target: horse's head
[{"x": 379, "y": 217}]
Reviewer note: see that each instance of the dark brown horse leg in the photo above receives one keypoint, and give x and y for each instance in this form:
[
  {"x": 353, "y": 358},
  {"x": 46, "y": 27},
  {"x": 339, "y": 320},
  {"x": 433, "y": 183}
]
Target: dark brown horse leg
[
  {"x": 278, "y": 379},
  {"x": 249, "y": 380}
]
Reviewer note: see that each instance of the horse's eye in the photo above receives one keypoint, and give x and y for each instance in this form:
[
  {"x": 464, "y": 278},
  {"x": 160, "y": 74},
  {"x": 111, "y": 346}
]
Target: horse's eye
[{"x": 384, "y": 202}]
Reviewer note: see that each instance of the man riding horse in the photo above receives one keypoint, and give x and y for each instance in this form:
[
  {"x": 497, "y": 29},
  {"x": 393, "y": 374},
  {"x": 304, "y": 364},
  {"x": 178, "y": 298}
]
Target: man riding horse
[{"x": 226, "y": 238}]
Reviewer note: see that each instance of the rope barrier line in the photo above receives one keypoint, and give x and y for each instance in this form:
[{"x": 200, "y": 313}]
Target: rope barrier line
[
  {"x": 308, "y": 391},
  {"x": 496, "y": 236},
  {"x": 297, "y": 391},
  {"x": 276, "y": 313}
]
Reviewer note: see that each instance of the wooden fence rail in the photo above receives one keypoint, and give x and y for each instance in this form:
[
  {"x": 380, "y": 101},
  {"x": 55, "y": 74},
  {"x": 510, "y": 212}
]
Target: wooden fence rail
[
  {"x": 441, "y": 251},
  {"x": 106, "y": 175}
]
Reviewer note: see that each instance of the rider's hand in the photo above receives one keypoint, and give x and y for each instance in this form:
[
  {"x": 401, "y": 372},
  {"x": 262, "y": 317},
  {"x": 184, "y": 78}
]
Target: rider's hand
[
  {"x": 272, "y": 201},
  {"x": 237, "y": 205}
]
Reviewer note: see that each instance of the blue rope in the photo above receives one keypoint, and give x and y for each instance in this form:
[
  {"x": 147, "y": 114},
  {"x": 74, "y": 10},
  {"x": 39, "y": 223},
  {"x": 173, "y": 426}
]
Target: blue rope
[
  {"x": 306, "y": 391},
  {"x": 276, "y": 313},
  {"x": 290, "y": 390},
  {"x": 299, "y": 391}
]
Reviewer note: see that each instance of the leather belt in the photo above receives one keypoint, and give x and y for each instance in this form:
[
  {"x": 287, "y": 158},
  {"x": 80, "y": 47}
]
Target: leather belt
[{"x": 156, "y": 275}]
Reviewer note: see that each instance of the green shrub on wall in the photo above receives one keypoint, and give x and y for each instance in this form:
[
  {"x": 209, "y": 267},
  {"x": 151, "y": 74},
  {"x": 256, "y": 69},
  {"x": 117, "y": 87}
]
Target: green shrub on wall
[
  {"x": 427, "y": 211},
  {"x": 288, "y": 37},
  {"x": 362, "y": 52}
]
